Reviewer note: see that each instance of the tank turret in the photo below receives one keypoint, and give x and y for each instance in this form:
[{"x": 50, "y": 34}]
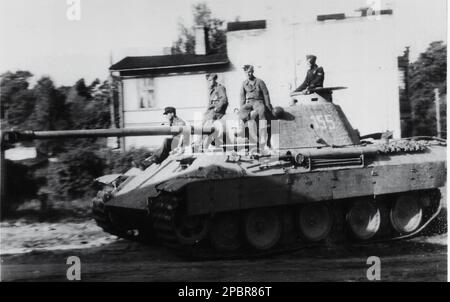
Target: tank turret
[{"x": 315, "y": 121}]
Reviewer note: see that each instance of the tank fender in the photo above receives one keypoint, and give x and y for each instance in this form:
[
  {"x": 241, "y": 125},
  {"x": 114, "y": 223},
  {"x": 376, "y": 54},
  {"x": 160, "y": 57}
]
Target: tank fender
[{"x": 108, "y": 178}]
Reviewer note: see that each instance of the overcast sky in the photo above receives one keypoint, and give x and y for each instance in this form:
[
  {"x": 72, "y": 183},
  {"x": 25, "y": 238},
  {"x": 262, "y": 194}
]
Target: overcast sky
[{"x": 37, "y": 35}]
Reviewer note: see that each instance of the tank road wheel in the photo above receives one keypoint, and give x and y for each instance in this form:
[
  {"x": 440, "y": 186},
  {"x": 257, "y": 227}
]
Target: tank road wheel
[
  {"x": 225, "y": 232},
  {"x": 315, "y": 222},
  {"x": 406, "y": 214},
  {"x": 191, "y": 229},
  {"x": 262, "y": 228},
  {"x": 364, "y": 219}
]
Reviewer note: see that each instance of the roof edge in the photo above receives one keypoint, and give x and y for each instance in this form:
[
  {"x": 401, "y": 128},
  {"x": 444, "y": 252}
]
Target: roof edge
[
  {"x": 171, "y": 66},
  {"x": 246, "y": 25}
]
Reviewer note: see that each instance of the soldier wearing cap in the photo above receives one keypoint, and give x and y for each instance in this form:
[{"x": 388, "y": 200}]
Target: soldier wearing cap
[
  {"x": 314, "y": 76},
  {"x": 255, "y": 102},
  {"x": 170, "y": 114},
  {"x": 217, "y": 99},
  {"x": 215, "y": 108}
]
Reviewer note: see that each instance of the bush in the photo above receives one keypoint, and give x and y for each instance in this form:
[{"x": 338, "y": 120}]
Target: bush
[
  {"x": 72, "y": 176},
  {"x": 74, "y": 173}
]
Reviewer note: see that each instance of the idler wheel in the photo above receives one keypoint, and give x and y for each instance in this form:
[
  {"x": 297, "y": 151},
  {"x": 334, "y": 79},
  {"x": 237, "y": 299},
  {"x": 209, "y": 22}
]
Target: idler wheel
[
  {"x": 364, "y": 219},
  {"x": 191, "y": 229},
  {"x": 315, "y": 222},
  {"x": 262, "y": 228},
  {"x": 225, "y": 232},
  {"x": 406, "y": 214}
]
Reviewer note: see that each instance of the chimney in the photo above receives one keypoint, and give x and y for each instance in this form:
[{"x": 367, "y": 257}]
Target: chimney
[{"x": 201, "y": 40}]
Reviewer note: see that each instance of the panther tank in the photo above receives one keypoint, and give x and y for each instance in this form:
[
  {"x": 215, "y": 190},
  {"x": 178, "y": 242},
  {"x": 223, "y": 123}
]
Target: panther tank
[{"x": 319, "y": 183}]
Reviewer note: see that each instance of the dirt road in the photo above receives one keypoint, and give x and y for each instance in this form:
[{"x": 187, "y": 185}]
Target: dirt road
[{"x": 110, "y": 259}]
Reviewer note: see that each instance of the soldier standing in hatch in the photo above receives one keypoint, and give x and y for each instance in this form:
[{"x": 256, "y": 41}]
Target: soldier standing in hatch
[
  {"x": 255, "y": 103},
  {"x": 314, "y": 76}
]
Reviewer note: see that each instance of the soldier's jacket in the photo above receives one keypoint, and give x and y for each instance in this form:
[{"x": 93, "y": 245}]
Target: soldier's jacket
[
  {"x": 217, "y": 99},
  {"x": 255, "y": 90},
  {"x": 176, "y": 121},
  {"x": 314, "y": 78}
]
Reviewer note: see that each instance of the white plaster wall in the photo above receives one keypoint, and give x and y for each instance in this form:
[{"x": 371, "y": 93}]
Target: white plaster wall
[
  {"x": 187, "y": 93},
  {"x": 361, "y": 55}
]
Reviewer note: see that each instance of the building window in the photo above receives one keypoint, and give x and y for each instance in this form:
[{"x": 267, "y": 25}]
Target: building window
[{"x": 146, "y": 93}]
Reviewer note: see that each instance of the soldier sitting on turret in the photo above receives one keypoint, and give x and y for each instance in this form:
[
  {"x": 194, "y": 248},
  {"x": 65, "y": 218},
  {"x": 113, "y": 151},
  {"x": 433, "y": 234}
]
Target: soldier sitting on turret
[
  {"x": 314, "y": 76},
  {"x": 255, "y": 103},
  {"x": 162, "y": 152},
  {"x": 217, "y": 99},
  {"x": 216, "y": 107}
]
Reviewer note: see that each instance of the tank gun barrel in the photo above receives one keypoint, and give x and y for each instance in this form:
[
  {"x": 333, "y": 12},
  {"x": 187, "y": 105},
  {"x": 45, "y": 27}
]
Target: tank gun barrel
[{"x": 16, "y": 136}]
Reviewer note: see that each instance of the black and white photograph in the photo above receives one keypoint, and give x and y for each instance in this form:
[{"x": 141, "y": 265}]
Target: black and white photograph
[{"x": 241, "y": 143}]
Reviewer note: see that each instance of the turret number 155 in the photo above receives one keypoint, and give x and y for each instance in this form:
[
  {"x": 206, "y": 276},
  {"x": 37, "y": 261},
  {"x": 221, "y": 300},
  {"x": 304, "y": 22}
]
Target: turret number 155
[{"x": 323, "y": 121}]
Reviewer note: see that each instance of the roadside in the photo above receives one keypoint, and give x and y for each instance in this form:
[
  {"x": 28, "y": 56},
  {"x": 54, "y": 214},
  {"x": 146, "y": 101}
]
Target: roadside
[{"x": 21, "y": 236}]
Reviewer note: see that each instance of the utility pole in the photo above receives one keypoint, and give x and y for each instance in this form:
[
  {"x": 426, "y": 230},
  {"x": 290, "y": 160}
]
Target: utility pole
[
  {"x": 438, "y": 112},
  {"x": 111, "y": 93},
  {"x": 113, "y": 142},
  {"x": 2, "y": 172}
]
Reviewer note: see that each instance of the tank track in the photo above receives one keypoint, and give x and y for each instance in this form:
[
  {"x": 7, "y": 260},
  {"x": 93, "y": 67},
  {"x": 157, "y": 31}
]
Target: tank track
[
  {"x": 164, "y": 212},
  {"x": 165, "y": 209}
]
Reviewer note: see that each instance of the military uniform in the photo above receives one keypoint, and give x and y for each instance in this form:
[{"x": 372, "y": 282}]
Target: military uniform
[
  {"x": 314, "y": 78},
  {"x": 163, "y": 152},
  {"x": 254, "y": 97},
  {"x": 255, "y": 104},
  {"x": 217, "y": 102},
  {"x": 176, "y": 121}
]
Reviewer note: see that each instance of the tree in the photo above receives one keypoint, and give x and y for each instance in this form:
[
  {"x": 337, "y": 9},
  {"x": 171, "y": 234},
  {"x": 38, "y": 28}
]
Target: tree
[
  {"x": 42, "y": 117},
  {"x": 49, "y": 113},
  {"x": 427, "y": 73},
  {"x": 89, "y": 105},
  {"x": 12, "y": 84},
  {"x": 46, "y": 107},
  {"x": 202, "y": 17},
  {"x": 21, "y": 106}
]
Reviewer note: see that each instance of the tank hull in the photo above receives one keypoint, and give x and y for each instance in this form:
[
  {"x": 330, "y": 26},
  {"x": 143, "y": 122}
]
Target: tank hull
[{"x": 214, "y": 186}]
